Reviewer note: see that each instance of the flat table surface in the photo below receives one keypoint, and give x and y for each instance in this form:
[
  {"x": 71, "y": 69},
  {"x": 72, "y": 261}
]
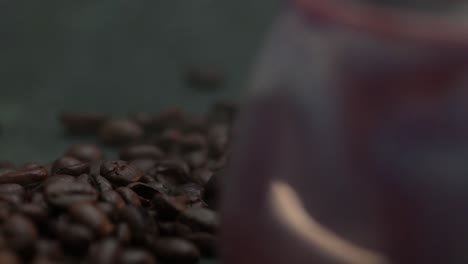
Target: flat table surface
[{"x": 115, "y": 56}]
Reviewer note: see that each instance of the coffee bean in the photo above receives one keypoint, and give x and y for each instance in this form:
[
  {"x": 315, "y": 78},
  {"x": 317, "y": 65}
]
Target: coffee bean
[
  {"x": 120, "y": 172},
  {"x": 201, "y": 176},
  {"x": 118, "y": 132},
  {"x": 141, "y": 151},
  {"x": 36, "y": 212},
  {"x": 205, "y": 76},
  {"x": 75, "y": 238},
  {"x": 129, "y": 196},
  {"x": 9, "y": 257},
  {"x": 172, "y": 172},
  {"x": 144, "y": 164},
  {"x": 85, "y": 152},
  {"x": 211, "y": 194},
  {"x": 107, "y": 208},
  {"x": 177, "y": 250},
  {"x": 103, "y": 185},
  {"x": 11, "y": 189},
  {"x": 105, "y": 252},
  {"x": 113, "y": 198},
  {"x": 24, "y": 176},
  {"x": 64, "y": 193},
  {"x": 137, "y": 256},
  {"x": 70, "y": 166},
  {"x": 168, "y": 207},
  {"x": 58, "y": 178},
  {"x": 174, "y": 229},
  {"x": 169, "y": 139},
  {"x": 196, "y": 159},
  {"x": 81, "y": 122},
  {"x": 48, "y": 248},
  {"x": 193, "y": 142},
  {"x": 123, "y": 233},
  {"x": 84, "y": 178},
  {"x": 205, "y": 242},
  {"x": 136, "y": 222},
  {"x": 202, "y": 219},
  {"x": 20, "y": 233},
  {"x": 144, "y": 190},
  {"x": 90, "y": 216}
]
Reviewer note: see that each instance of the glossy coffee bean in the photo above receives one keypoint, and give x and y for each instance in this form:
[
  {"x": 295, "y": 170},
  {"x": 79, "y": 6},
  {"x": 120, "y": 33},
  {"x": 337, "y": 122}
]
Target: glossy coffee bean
[
  {"x": 120, "y": 132},
  {"x": 120, "y": 172},
  {"x": 21, "y": 233},
  {"x": 173, "y": 172},
  {"x": 141, "y": 151},
  {"x": 202, "y": 219},
  {"x": 176, "y": 250},
  {"x": 70, "y": 166},
  {"x": 137, "y": 256},
  {"x": 82, "y": 122},
  {"x": 64, "y": 193},
  {"x": 129, "y": 196},
  {"x": 103, "y": 185},
  {"x": 168, "y": 207},
  {"x": 90, "y": 216},
  {"x": 85, "y": 152},
  {"x": 144, "y": 190},
  {"x": 24, "y": 176},
  {"x": 113, "y": 198}
]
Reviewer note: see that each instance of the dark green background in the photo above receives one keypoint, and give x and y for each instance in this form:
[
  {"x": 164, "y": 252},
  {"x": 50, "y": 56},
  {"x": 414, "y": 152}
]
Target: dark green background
[{"x": 117, "y": 56}]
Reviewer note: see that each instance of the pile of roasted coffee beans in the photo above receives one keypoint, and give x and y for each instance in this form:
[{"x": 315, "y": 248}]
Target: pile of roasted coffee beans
[{"x": 155, "y": 203}]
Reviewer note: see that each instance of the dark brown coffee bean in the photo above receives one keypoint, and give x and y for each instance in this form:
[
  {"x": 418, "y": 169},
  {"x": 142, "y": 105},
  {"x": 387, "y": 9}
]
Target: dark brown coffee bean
[
  {"x": 48, "y": 248},
  {"x": 174, "y": 229},
  {"x": 31, "y": 166},
  {"x": 144, "y": 190},
  {"x": 123, "y": 233},
  {"x": 113, "y": 198},
  {"x": 45, "y": 260},
  {"x": 129, "y": 196},
  {"x": 144, "y": 164},
  {"x": 90, "y": 216},
  {"x": 141, "y": 151},
  {"x": 176, "y": 250},
  {"x": 11, "y": 189},
  {"x": 64, "y": 193},
  {"x": 84, "y": 178},
  {"x": 81, "y": 122},
  {"x": 137, "y": 256},
  {"x": 205, "y": 242},
  {"x": 9, "y": 257},
  {"x": 201, "y": 176},
  {"x": 107, "y": 209},
  {"x": 103, "y": 185},
  {"x": 168, "y": 207},
  {"x": 85, "y": 152},
  {"x": 36, "y": 212},
  {"x": 20, "y": 233},
  {"x": 70, "y": 166},
  {"x": 105, "y": 252},
  {"x": 196, "y": 159},
  {"x": 118, "y": 132},
  {"x": 75, "y": 238},
  {"x": 202, "y": 219},
  {"x": 58, "y": 178},
  {"x": 205, "y": 76},
  {"x": 24, "y": 176},
  {"x": 120, "y": 172},
  {"x": 211, "y": 194},
  {"x": 172, "y": 172},
  {"x": 136, "y": 221},
  {"x": 193, "y": 142},
  {"x": 158, "y": 186}
]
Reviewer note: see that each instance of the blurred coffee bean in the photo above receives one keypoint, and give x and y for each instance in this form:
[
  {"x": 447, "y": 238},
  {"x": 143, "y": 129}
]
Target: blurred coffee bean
[
  {"x": 176, "y": 250},
  {"x": 65, "y": 193},
  {"x": 206, "y": 76},
  {"x": 169, "y": 139},
  {"x": 211, "y": 194},
  {"x": 201, "y": 176},
  {"x": 106, "y": 251},
  {"x": 196, "y": 159},
  {"x": 36, "y": 212},
  {"x": 193, "y": 142},
  {"x": 144, "y": 190},
  {"x": 120, "y": 172},
  {"x": 24, "y": 176},
  {"x": 205, "y": 242},
  {"x": 48, "y": 248},
  {"x": 90, "y": 216},
  {"x": 107, "y": 209},
  {"x": 168, "y": 207},
  {"x": 20, "y": 233},
  {"x": 137, "y": 256},
  {"x": 202, "y": 219},
  {"x": 141, "y": 151},
  {"x": 118, "y": 132},
  {"x": 11, "y": 189},
  {"x": 9, "y": 257},
  {"x": 129, "y": 196},
  {"x": 75, "y": 238},
  {"x": 174, "y": 229},
  {"x": 172, "y": 172},
  {"x": 84, "y": 178},
  {"x": 123, "y": 233},
  {"x": 81, "y": 122},
  {"x": 145, "y": 165},
  {"x": 114, "y": 198},
  {"x": 85, "y": 152},
  {"x": 58, "y": 178},
  {"x": 70, "y": 166},
  {"x": 103, "y": 185}
]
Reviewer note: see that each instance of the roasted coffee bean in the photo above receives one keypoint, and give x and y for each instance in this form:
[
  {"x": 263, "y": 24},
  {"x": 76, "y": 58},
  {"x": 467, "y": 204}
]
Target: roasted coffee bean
[
  {"x": 201, "y": 176},
  {"x": 118, "y": 132},
  {"x": 137, "y": 256},
  {"x": 107, "y": 209},
  {"x": 90, "y": 216},
  {"x": 85, "y": 152},
  {"x": 202, "y": 219},
  {"x": 20, "y": 233},
  {"x": 176, "y": 229},
  {"x": 24, "y": 176},
  {"x": 70, "y": 166},
  {"x": 169, "y": 139},
  {"x": 211, "y": 194},
  {"x": 120, "y": 172},
  {"x": 193, "y": 142},
  {"x": 58, "y": 178},
  {"x": 113, "y": 198},
  {"x": 141, "y": 151},
  {"x": 144, "y": 190},
  {"x": 168, "y": 207},
  {"x": 172, "y": 172},
  {"x": 176, "y": 250},
  {"x": 84, "y": 178},
  {"x": 103, "y": 185},
  {"x": 81, "y": 122},
  {"x": 11, "y": 189},
  {"x": 135, "y": 220},
  {"x": 205, "y": 76},
  {"x": 123, "y": 233},
  {"x": 36, "y": 212},
  {"x": 105, "y": 252},
  {"x": 65, "y": 193},
  {"x": 144, "y": 164},
  {"x": 75, "y": 238},
  {"x": 205, "y": 242},
  {"x": 9, "y": 257},
  {"x": 196, "y": 159},
  {"x": 48, "y": 248},
  {"x": 129, "y": 196}
]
